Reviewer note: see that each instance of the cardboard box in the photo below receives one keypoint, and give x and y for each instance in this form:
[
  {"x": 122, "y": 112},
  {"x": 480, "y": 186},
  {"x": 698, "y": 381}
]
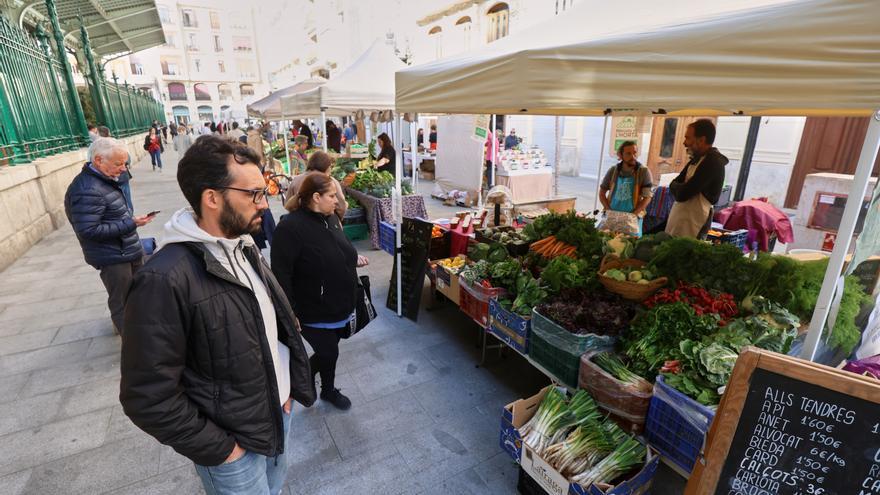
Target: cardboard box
[
  {"x": 518, "y": 413},
  {"x": 447, "y": 284},
  {"x": 509, "y": 327}
]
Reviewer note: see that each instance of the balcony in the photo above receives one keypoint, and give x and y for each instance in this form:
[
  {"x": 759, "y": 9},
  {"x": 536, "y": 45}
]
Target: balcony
[
  {"x": 203, "y": 97},
  {"x": 177, "y": 96}
]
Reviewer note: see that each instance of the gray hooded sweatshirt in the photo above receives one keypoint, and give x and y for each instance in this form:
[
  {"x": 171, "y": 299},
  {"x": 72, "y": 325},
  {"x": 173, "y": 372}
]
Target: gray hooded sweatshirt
[{"x": 229, "y": 252}]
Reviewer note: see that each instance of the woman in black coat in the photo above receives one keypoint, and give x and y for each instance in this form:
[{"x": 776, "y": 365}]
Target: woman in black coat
[{"x": 316, "y": 266}]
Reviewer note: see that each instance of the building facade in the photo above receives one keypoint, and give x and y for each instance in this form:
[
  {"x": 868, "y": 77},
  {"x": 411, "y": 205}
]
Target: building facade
[{"x": 208, "y": 69}]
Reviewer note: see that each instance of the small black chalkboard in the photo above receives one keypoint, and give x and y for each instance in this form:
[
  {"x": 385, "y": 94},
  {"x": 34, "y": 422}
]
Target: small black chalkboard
[
  {"x": 788, "y": 426},
  {"x": 416, "y": 241},
  {"x": 794, "y": 437}
]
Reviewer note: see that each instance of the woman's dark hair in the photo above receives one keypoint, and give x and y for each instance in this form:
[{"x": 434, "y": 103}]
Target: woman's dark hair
[
  {"x": 385, "y": 141},
  {"x": 204, "y": 166},
  {"x": 314, "y": 183},
  {"x": 319, "y": 162}
]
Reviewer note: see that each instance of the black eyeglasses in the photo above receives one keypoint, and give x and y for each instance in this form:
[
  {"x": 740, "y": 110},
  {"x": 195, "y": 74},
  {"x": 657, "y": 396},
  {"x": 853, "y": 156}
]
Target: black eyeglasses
[{"x": 258, "y": 195}]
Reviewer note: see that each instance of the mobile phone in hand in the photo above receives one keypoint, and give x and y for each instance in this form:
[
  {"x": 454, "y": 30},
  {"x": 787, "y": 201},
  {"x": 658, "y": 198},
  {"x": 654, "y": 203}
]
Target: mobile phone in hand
[{"x": 154, "y": 213}]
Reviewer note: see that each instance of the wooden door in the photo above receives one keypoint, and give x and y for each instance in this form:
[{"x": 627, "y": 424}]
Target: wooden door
[
  {"x": 829, "y": 145},
  {"x": 667, "y": 153}
]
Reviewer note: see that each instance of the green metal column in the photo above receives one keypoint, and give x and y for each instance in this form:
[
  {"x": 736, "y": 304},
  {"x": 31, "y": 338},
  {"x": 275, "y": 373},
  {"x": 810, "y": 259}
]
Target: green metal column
[
  {"x": 68, "y": 73},
  {"x": 44, "y": 44},
  {"x": 97, "y": 82},
  {"x": 111, "y": 121},
  {"x": 134, "y": 118},
  {"x": 122, "y": 127}
]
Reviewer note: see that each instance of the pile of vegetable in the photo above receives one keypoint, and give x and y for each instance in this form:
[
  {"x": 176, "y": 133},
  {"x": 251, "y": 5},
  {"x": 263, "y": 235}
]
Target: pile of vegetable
[
  {"x": 504, "y": 235},
  {"x": 343, "y": 167},
  {"x": 453, "y": 265},
  {"x": 351, "y": 202},
  {"x": 615, "y": 367},
  {"x": 584, "y": 312},
  {"x": 569, "y": 228},
  {"x": 701, "y": 300},
  {"x": 494, "y": 253},
  {"x": 524, "y": 291},
  {"x": 621, "y": 246},
  {"x": 630, "y": 274},
  {"x": 564, "y": 272},
  {"x": 550, "y": 247},
  {"x": 581, "y": 444},
  {"x": 378, "y": 183}
]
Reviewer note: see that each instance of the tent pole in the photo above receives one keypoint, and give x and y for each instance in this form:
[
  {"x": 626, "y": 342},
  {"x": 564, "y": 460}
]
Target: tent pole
[
  {"x": 601, "y": 161},
  {"x": 324, "y": 129},
  {"x": 493, "y": 151},
  {"x": 746, "y": 162},
  {"x": 844, "y": 237},
  {"x": 285, "y": 130},
  {"x": 414, "y": 152},
  {"x": 398, "y": 209},
  {"x": 558, "y": 151}
]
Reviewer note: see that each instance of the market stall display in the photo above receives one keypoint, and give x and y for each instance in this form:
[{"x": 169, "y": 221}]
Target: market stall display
[{"x": 526, "y": 173}]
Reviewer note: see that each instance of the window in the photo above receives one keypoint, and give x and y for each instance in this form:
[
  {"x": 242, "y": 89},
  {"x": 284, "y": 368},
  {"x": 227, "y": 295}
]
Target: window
[
  {"x": 189, "y": 18},
  {"x": 436, "y": 33},
  {"x": 499, "y": 21},
  {"x": 246, "y": 69},
  {"x": 206, "y": 113},
  {"x": 137, "y": 68},
  {"x": 241, "y": 44},
  {"x": 176, "y": 92},
  {"x": 221, "y": 66},
  {"x": 238, "y": 20},
  {"x": 247, "y": 90},
  {"x": 218, "y": 47},
  {"x": 464, "y": 26},
  {"x": 181, "y": 114},
  {"x": 164, "y": 14},
  {"x": 225, "y": 91},
  {"x": 170, "y": 68},
  {"x": 201, "y": 91},
  {"x": 170, "y": 40},
  {"x": 215, "y": 20},
  {"x": 224, "y": 108},
  {"x": 192, "y": 42},
  {"x": 197, "y": 65}
]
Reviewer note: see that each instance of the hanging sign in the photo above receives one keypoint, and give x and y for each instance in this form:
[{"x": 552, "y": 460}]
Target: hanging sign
[
  {"x": 625, "y": 128},
  {"x": 481, "y": 128}
]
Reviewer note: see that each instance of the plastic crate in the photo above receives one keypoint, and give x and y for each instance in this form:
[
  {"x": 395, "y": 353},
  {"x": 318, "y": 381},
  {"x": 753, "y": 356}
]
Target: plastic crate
[
  {"x": 356, "y": 231},
  {"x": 560, "y": 351},
  {"x": 736, "y": 237},
  {"x": 474, "y": 301},
  {"x": 354, "y": 216},
  {"x": 387, "y": 237},
  {"x": 677, "y": 425},
  {"x": 510, "y": 327}
]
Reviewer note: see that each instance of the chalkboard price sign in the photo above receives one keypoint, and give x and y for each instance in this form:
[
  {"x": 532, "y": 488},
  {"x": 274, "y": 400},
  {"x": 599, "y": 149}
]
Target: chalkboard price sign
[
  {"x": 415, "y": 239},
  {"x": 788, "y": 426}
]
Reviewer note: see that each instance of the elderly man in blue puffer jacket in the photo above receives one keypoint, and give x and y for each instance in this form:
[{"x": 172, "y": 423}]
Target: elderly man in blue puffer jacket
[{"x": 107, "y": 231}]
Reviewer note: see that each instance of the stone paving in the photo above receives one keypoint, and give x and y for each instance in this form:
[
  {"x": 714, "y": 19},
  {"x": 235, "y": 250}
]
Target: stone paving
[{"x": 424, "y": 419}]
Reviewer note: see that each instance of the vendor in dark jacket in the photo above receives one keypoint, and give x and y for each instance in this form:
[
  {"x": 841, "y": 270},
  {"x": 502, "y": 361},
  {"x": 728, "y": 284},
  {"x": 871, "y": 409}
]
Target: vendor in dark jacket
[
  {"x": 387, "y": 159},
  {"x": 211, "y": 356},
  {"x": 317, "y": 267},
  {"x": 699, "y": 185},
  {"x": 97, "y": 210}
]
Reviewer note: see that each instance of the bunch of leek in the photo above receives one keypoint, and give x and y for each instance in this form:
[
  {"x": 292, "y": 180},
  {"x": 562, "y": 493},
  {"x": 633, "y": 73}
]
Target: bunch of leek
[
  {"x": 626, "y": 456},
  {"x": 615, "y": 367},
  {"x": 584, "y": 447},
  {"x": 551, "y": 412}
]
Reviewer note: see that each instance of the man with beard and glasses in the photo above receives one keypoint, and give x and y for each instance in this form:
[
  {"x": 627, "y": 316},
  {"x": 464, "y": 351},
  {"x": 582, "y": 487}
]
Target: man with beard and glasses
[
  {"x": 212, "y": 356},
  {"x": 699, "y": 185}
]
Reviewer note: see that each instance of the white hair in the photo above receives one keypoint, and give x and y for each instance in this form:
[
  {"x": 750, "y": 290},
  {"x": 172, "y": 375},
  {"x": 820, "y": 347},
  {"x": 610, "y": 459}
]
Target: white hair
[{"x": 107, "y": 147}]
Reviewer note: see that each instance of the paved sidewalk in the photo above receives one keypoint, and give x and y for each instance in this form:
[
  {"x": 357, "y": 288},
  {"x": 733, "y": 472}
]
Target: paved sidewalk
[{"x": 424, "y": 419}]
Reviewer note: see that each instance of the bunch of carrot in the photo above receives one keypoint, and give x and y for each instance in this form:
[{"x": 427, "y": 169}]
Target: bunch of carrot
[{"x": 550, "y": 247}]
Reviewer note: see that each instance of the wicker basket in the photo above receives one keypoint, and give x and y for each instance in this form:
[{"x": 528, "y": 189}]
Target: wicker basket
[
  {"x": 348, "y": 180},
  {"x": 628, "y": 290}
]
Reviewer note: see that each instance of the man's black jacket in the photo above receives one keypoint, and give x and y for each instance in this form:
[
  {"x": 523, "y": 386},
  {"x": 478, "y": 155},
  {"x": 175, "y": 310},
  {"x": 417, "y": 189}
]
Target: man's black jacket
[
  {"x": 197, "y": 373},
  {"x": 708, "y": 180}
]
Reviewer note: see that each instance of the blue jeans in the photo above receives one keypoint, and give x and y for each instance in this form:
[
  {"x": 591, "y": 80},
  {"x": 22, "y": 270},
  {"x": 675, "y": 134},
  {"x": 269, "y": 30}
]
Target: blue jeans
[
  {"x": 251, "y": 474},
  {"x": 156, "y": 158}
]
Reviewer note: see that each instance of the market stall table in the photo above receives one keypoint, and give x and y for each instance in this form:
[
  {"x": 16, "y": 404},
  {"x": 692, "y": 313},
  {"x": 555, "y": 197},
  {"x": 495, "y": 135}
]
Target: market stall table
[
  {"x": 530, "y": 184},
  {"x": 426, "y": 161},
  {"x": 379, "y": 209}
]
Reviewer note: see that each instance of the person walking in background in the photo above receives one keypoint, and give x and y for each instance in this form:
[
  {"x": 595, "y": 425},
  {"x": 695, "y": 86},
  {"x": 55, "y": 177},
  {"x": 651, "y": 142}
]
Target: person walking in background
[
  {"x": 212, "y": 127},
  {"x": 319, "y": 162},
  {"x": 432, "y": 137},
  {"x": 334, "y": 137},
  {"x": 107, "y": 232},
  {"x": 298, "y": 158},
  {"x": 206, "y": 129},
  {"x": 420, "y": 137},
  {"x": 164, "y": 133},
  {"x": 316, "y": 266},
  {"x": 387, "y": 158},
  {"x": 255, "y": 142},
  {"x": 153, "y": 145},
  {"x": 306, "y": 131},
  {"x": 93, "y": 133},
  {"x": 183, "y": 140},
  {"x": 350, "y": 133},
  {"x": 124, "y": 178},
  {"x": 172, "y": 128},
  {"x": 211, "y": 356},
  {"x": 235, "y": 133}
]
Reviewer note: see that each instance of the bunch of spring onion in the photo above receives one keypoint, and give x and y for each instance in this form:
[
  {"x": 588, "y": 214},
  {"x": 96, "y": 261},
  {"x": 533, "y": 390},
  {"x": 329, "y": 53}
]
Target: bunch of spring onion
[
  {"x": 584, "y": 447},
  {"x": 626, "y": 456},
  {"x": 614, "y": 366},
  {"x": 555, "y": 417}
]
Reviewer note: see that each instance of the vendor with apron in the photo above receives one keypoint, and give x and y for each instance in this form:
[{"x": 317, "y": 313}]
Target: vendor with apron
[
  {"x": 699, "y": 185},
  {"x": 627, "y": 186}
]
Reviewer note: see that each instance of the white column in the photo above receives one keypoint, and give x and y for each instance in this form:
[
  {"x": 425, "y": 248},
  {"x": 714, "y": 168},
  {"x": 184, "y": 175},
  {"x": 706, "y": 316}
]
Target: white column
[
  {"x": 324, "y": 129},
  {"x": 414, "y": 151},
  {"x": 844, "y": 237},
  {"x": 397, "y": 203}
]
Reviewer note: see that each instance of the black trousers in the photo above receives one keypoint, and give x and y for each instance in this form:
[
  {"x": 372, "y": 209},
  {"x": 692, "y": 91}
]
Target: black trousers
[
  {"x": 325, "y": 342},
  {"x": 117, "y": 280}
]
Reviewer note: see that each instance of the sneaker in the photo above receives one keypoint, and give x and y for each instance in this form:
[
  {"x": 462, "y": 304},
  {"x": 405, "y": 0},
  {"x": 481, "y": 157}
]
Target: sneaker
[{"x": 337, "y": 399}]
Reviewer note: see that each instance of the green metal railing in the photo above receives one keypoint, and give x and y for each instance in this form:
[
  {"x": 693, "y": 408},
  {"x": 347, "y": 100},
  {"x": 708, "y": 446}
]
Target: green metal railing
[{"x": 40, "y": 111}]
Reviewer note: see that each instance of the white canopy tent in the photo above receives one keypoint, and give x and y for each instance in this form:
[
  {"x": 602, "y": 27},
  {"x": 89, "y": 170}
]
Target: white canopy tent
[
  {"x": 269, "y": 108},
  {"x": 802, "y": 57}
]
